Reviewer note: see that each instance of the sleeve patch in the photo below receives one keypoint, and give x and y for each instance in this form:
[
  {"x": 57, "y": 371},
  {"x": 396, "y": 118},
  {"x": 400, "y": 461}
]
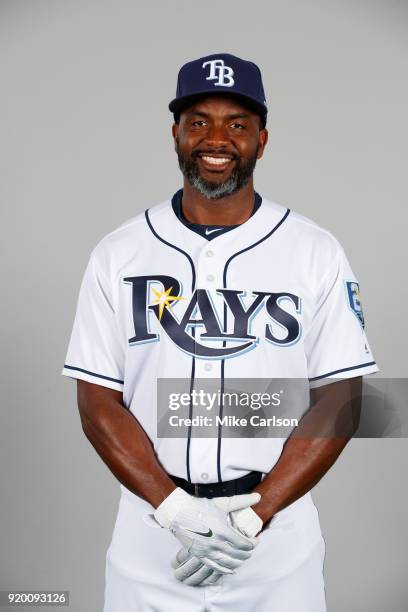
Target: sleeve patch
[{"x": 354, "y": 300}]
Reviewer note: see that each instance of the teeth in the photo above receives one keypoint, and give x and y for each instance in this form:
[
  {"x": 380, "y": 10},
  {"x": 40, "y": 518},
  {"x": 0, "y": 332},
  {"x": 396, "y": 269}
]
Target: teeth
[{"x": 218, "y": 161}]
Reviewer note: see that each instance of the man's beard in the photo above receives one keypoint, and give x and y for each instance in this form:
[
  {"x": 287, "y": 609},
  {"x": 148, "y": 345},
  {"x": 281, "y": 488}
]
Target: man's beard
[{"x": 212, "y": 190}]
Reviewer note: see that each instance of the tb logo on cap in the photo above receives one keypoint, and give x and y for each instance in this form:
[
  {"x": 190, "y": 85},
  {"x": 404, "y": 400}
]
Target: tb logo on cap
[{"x": 218, "y": 70}]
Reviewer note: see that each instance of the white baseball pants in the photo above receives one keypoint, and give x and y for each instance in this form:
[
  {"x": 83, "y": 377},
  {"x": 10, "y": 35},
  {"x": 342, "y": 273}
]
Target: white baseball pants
[{"x": 284, "y": 573}]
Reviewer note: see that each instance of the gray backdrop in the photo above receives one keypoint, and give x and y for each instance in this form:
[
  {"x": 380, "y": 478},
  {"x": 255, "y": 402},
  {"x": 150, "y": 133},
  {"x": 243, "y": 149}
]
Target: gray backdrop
[{"x": 86, "y": 144}]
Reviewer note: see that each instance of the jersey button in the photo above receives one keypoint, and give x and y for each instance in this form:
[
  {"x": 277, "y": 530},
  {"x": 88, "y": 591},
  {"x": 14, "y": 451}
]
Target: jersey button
[
  {"x": 210, "y": 277},
  {"x": 210, "y": 253},
  {"x": 204, "y": 476},
  {"x": 208, "y": 366}
]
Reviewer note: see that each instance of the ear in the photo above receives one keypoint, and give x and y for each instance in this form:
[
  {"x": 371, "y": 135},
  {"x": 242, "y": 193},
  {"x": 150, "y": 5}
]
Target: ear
[
  {"x": 174, "y": 131},
  {"x": 263, "y": 139}
]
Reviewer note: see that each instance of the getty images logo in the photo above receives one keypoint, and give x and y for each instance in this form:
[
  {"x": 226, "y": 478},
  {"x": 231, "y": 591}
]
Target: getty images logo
[{"x": 218, "y": 70}]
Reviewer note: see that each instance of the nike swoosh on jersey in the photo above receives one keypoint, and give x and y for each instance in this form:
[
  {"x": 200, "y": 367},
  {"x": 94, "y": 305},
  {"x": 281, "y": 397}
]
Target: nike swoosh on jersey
[
  {"x": 207, "y": 231},
  {"x": 206, "y": 535}
]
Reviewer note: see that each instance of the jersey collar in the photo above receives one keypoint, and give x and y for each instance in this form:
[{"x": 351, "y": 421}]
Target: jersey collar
[
  {"x": 206, "y": 230},
  {"x": 262, "y": 224}
]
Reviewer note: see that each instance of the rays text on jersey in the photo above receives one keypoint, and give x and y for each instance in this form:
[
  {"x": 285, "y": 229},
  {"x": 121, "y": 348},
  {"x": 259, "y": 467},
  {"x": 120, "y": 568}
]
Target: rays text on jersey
[{"x": 159, "y": 293}]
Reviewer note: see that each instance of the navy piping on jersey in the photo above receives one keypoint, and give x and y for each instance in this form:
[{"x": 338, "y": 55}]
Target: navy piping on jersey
[
  {"x": 193, "y": 282},
  {"x": 285, "y": 216},
  {"x": 68, "y": 367},
  {"x": 225, "y": 327},
  {"x": 172, "y": 246},
  {"x": 190, "y": 412},
  {"x": 362, "y": 365}
]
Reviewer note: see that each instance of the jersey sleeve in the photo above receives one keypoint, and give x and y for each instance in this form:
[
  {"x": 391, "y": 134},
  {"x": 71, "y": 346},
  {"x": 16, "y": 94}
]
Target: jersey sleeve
[
  {"x": 95, "y": 353},
  {"x": 336, "y": 344}
]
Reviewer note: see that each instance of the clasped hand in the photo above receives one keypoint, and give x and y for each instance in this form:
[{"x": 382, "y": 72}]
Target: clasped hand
[{"x": 217, "y": 535}]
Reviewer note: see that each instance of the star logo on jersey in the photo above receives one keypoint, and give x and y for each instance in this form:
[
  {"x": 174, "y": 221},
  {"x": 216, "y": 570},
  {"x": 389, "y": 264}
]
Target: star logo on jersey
[
  {"x": 165, "y": 299},
  {"x": 198, "y": 330}
]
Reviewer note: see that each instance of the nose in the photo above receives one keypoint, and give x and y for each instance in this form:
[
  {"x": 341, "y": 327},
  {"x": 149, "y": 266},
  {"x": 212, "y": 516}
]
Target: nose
[{"x": 217, "y": 136}]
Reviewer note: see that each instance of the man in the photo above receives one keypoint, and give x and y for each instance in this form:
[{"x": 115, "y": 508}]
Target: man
[{"x": 217, "y": 284}]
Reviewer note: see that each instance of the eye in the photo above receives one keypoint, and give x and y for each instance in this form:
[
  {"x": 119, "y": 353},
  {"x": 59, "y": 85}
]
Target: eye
[
  {"x": 198, "y": 123},
  {"x": 238, "y": 126}
]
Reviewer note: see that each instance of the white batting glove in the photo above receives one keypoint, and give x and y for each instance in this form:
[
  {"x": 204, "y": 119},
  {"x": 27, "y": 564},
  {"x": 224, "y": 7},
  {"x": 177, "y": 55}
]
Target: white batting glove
[
  {"x": 203, "y": 527},
  {"x": 247, "y": 522},
  {"x": 191, "y": 570}
]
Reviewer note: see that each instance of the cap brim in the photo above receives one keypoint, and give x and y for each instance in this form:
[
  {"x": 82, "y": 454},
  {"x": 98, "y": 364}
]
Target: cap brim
[{"x": 179, "y": 104}]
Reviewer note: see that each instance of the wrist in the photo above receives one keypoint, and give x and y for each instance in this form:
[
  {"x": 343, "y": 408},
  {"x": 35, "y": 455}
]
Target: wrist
[
  {"x": 156, "y": 490},
  {"x": 163, "y": 493},
  {"x": 264, "y": 512}
]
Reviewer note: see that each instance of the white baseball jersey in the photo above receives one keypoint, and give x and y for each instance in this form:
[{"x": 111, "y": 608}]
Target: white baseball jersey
[{"x": 273, "y": 298}]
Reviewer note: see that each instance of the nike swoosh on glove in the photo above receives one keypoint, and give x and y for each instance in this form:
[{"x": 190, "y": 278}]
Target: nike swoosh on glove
[
  {"x": 204, "y": 528},
  {"x": 192, "y": 571}
]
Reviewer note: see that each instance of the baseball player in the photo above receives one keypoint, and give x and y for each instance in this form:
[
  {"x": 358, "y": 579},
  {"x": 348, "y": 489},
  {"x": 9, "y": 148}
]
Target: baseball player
[{"x": 216, "y": 283}]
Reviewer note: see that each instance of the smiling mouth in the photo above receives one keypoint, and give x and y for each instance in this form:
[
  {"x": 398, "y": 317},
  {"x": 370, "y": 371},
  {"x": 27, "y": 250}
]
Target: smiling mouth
[{"x": 215, "y": 163}]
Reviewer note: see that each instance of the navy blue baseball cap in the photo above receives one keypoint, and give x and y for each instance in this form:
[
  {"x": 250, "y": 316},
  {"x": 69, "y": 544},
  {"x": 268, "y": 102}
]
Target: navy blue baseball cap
[{"x": 220, "y": 73}]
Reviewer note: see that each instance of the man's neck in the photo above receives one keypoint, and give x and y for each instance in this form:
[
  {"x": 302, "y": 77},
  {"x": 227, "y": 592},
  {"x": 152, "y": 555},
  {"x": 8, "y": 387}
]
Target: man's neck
[{"x": 231, "y": 210}]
